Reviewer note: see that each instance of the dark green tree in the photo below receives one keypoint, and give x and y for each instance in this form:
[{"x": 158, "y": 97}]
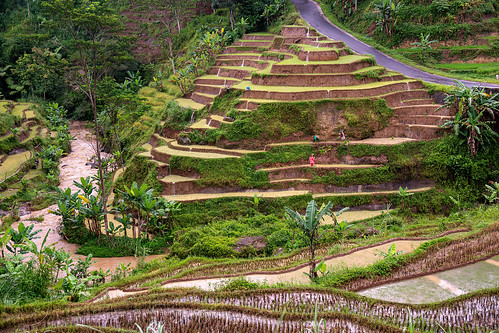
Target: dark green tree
[{"x": 94, "y": 50}]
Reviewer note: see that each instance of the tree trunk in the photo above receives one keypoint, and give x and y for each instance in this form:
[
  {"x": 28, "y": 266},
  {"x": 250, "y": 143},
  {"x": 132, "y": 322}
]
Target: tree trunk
[
  {"x": 99, "y": 162},
  {"x": 313, "y": 273}
]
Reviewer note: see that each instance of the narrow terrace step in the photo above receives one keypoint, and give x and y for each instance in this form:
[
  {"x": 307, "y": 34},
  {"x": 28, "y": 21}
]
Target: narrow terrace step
[
  {"x": 201, "y": 125},
  {"x": 215, "y": 81},
  {"x": 211, "y": 149},
  {"x": 258, "y": 37},
  {"x": 307, "y": 93},
  {"x": 156, "y": 140},
  {"x": 243, "y": 63},
  {"x": 248, "y": 194},
  {"x": 422, "y": 101},
  {"x": 305, "y": 172},
  {"x": 289, "y": 180},
  {"x": 298, "y": 31},
  {"x": 216, "y": 120},
  {"x": 238, "y": 56},
  {"x": 321, "y": 166},
  {"x": 164, "y": 153},
  {"x": 174, "y": 184},
  {"x": 397, "y": 98},
  {"x": 382, "y": 141},
  {"x": 189, "y": 103},
  {"x": 306, "y": 185},
  {"x": 202, "y": 98},
  {"x": 277, "y": 194},
  {"x": 413, "y": 190},
  {"x": 393, "y": 99},
  {"x": 333, "y": 44},
  {"x": 319, "y": 80},
  {"x": 231, "y": 72},
  {"x": 209, "y": 89},
  {"x": 239, "y": 49},
  {"x": 422, "y": 110},
  {"x": 413, "y": 131},
  {"x": 423, "y": 120},
  {"x": 253, "y": 43}
]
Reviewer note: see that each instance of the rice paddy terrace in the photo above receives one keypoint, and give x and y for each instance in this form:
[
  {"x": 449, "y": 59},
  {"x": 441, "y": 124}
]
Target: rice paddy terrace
[
  {"x": 298, "y": 65},
  {"x": 284, "y": 308},
  {"x": 16, "y": 143}
]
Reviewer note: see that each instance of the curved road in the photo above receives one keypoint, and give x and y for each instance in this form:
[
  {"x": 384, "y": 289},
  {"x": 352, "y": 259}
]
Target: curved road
[{"x": 311, "y": 12}]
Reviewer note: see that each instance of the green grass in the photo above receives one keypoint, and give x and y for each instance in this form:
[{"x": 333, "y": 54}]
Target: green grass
[{"x": 483, "y": 68}]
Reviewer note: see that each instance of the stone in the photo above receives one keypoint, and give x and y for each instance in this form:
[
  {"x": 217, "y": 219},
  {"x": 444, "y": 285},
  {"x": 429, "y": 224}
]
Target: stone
[
  {"x": 183, "y": 140},
  {"x": 259, "y": 243}
]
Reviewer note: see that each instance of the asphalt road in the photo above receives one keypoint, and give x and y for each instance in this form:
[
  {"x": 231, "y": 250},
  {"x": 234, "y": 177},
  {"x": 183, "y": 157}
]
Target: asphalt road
[{"x": 311, "y": 12}]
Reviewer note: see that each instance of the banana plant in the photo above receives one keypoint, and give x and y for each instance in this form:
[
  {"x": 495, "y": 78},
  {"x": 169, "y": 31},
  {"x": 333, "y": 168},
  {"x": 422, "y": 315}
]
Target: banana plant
[
  {"x": 309, "y": 224},
  {"x": 5, "y": 239}
]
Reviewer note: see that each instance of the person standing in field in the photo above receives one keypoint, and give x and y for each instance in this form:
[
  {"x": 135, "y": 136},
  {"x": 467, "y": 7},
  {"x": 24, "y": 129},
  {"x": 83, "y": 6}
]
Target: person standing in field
[{"x": 311, "y": 159}]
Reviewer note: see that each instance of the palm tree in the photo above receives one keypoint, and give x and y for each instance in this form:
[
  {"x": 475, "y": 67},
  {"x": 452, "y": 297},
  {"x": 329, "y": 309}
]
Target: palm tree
[{"x": 309, "y": 224}]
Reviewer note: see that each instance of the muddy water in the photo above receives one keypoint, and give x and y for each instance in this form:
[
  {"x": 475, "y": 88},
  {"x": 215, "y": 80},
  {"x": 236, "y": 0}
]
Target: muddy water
[
  {"x": 359, "y": 258},
  {"x": 72, "y": 167}
]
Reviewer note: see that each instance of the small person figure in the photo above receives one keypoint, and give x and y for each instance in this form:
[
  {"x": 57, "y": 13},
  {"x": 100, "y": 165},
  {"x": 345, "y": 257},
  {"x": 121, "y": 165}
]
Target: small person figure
[
  {"x": 316, "y": 138},
  {"x": 342, "y": 135},
  {"x": 311, "y": 159}
]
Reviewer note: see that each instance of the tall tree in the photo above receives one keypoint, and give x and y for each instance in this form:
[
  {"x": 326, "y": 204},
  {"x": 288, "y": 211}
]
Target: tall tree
[{"x": 87, "y": 27}]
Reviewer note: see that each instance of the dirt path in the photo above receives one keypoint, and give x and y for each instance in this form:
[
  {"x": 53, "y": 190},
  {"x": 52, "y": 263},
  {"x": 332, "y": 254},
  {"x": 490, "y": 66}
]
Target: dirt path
[{"x": 72, "y": 167}]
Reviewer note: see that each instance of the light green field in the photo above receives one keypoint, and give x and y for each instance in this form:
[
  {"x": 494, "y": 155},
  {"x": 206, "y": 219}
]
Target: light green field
[
  {"x": 306, "y": 47},
  {"x": 189, "y": 103},
  {"x": 243, "y": 84},
  {"x": 349, "y": 59},
  {"x": 18, "y": 109},
  {"x": 12, "y": 163},
  {"x": 174, "y": 152}
]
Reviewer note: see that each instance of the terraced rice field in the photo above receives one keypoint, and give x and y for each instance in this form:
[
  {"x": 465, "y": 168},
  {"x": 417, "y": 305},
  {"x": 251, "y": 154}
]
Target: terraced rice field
[{"x": 12, "y": 163}]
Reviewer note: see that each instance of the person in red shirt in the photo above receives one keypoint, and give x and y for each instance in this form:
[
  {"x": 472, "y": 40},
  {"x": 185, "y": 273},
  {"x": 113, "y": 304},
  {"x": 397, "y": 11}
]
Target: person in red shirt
[{"x": 311, "y": 159}]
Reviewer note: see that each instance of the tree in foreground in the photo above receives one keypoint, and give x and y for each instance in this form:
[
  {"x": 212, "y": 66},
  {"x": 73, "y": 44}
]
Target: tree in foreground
[
  {"x": 94, "y": 51},
  {"x": 309, "y": 224}
]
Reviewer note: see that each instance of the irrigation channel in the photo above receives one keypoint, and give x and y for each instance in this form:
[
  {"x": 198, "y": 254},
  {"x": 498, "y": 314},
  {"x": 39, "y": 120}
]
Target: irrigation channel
[{"x": 72, "y": 167}]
